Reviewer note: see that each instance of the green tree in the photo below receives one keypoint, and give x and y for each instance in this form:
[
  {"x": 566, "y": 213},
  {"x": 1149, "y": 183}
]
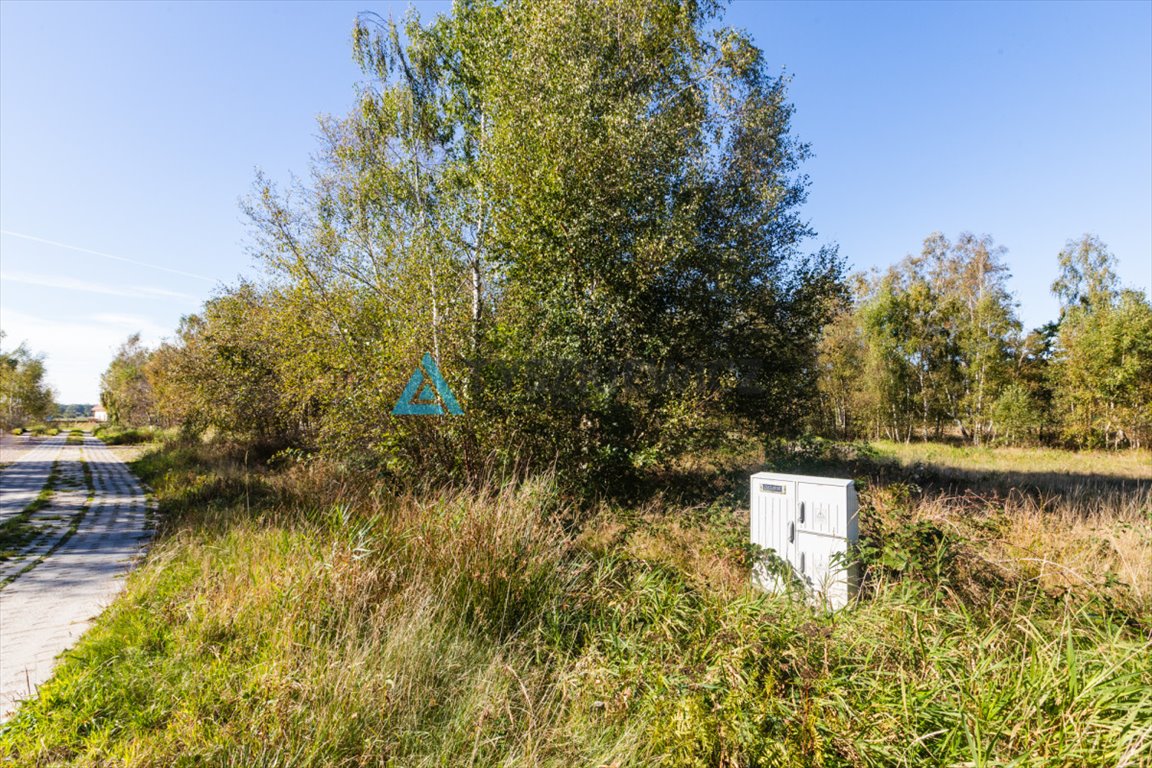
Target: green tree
[
  {"x": 1102, "y": 368},
  {"x": 986, "y": 329},
  {"x": 890, "y": 374},
  {"x": 223, "y": 371},
  {"x": 24, "y": 395},
  {"x": 937, "y": 333},
  {"x": 841, "y": 359},
  {"x": 124, "y": 387},
  {"x": 1016, "y": 417},
  {"x": 1033, "y": 373},
  {"x": 587, "y": 212},
  {"x": 1087, "y": 274}
]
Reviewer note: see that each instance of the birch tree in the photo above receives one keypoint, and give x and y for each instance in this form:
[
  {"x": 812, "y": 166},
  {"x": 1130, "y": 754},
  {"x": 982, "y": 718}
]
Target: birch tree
[
  {"x": 544, "y": 194},
  {"x": 1102, "y": 366}
]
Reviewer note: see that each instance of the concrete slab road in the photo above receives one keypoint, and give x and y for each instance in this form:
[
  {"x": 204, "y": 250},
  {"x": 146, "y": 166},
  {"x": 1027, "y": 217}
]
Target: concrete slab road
[
  {"x": 21, "y": 481},
  {"x": 61, "y": 579}
]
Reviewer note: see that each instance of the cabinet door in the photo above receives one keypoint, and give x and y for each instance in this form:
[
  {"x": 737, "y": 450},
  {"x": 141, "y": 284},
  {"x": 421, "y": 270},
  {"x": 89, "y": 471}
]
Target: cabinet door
[
  {"x": 773, "y": 524},
  {"x": 821, "y": 565},
  {"x": 822, "y": 509}
]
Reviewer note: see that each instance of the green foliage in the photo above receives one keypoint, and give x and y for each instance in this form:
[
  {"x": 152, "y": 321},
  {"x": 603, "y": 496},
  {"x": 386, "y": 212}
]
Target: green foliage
[
  {"x": 24, "y": 395},
  {"x": 934, "y": 343},
  {"x": 112, "y": 434},
  {"x": 1101, "y": 371},
  {"x": 927, "y": 345},
  {"x": 124, "y": 388},
  {"x": 1018, "y": 418},
  {"x": 225, "y": 370},
  {"x": 588, "y": 213},
  {"x": 74, "y": 411},
  {"x": 1087, "y": 274}
]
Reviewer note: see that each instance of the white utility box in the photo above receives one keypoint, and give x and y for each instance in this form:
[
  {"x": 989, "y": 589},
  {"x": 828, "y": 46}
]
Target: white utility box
[{"x": 810, "y": 522}]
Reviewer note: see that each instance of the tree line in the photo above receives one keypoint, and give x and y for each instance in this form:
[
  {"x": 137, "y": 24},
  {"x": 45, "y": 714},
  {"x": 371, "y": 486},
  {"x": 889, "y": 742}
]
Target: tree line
[
  {"x": 588, "y": 214},
  {"x": 933, "y": 348}
]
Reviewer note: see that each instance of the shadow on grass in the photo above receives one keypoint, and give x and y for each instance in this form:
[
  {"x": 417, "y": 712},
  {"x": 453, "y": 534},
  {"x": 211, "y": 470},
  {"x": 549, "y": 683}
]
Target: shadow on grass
[{"x": 215, "y": 485}]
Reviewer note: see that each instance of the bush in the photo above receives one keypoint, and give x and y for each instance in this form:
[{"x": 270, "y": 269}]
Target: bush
[
  {"x": 117, "y": 435},
  {"x": 18, "y": 431},
  {"x": 1017, "y": 418}
]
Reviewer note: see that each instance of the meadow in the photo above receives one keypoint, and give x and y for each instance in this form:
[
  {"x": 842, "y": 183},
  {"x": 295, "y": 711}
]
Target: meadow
[{"x": 297, "y": 614}]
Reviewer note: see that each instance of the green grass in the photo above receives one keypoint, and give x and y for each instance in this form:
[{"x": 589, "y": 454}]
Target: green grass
[{"x": 312, "y": 618}]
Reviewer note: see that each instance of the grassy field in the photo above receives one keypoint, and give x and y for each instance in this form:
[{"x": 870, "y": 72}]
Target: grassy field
[
  {"x": 307, "y": 617},
  {"x": 1132, "y": 464}
]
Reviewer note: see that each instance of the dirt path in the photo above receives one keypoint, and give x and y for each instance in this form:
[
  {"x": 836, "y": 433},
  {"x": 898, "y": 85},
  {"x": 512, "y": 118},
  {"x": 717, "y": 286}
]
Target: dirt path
[{"x": 69, "y": 559}]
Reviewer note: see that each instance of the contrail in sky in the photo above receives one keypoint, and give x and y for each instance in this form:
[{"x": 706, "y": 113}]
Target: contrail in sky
[{"x": 106, "y": 255}]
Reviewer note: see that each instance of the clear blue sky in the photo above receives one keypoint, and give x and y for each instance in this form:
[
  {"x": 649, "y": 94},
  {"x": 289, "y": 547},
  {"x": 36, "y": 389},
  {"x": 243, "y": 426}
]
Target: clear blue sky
[{"x": 133, "y": 129}]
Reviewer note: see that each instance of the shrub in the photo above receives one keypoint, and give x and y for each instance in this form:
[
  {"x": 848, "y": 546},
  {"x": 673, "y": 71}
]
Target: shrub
[{"x": 117, "y": 435}]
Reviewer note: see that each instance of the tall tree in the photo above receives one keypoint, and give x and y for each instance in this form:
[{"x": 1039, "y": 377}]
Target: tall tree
[
  {"x": 1102, "y": 367},
  {"x": 588, "y": 213},
  {"x": 224, "y": 371},
  {"x": 987, "y": 328},
  {"x": 937, "y": 335},
  {"x": 842, "y": 356},
  {"x": 124, "y": 387},
  {"x": 24, "y": 394},
  {"x": 1027, "y": 413},
  {"x": 890, "y": 375},
  {"x": 1087, "y": 274}
]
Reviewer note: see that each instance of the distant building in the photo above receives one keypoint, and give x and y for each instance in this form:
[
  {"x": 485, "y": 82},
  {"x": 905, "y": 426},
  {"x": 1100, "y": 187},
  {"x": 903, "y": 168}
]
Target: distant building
[{"x": 99, "y": 413}]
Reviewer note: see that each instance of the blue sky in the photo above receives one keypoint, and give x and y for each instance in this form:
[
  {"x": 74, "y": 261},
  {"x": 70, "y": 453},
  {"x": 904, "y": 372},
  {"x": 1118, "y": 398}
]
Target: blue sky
[{"x": 132, "y": 130}]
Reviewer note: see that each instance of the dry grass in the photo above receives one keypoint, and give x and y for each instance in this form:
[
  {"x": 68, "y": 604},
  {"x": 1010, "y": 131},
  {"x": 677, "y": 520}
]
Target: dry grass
[
  {"x": 130, "y": 453},
  {"x": 1083, "y": 545},
  {"x": 1078, "y": 522},
  {"x": 1068, "y": 550},
  {"x": 1130, "y": 464}
]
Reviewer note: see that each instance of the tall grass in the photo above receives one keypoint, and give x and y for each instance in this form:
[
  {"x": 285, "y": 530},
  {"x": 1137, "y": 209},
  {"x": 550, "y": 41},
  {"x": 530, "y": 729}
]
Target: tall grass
[{"x": 308, "y": 617}]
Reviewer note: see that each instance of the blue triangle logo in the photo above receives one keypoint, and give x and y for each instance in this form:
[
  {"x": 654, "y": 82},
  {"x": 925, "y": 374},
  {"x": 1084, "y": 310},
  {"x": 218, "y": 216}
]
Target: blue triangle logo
[{"x": 427, "y": 394}]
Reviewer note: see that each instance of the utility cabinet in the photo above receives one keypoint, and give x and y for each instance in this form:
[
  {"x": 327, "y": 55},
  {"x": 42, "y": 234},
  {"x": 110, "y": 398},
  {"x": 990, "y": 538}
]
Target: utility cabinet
[{"x": 810, "y": 522}]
